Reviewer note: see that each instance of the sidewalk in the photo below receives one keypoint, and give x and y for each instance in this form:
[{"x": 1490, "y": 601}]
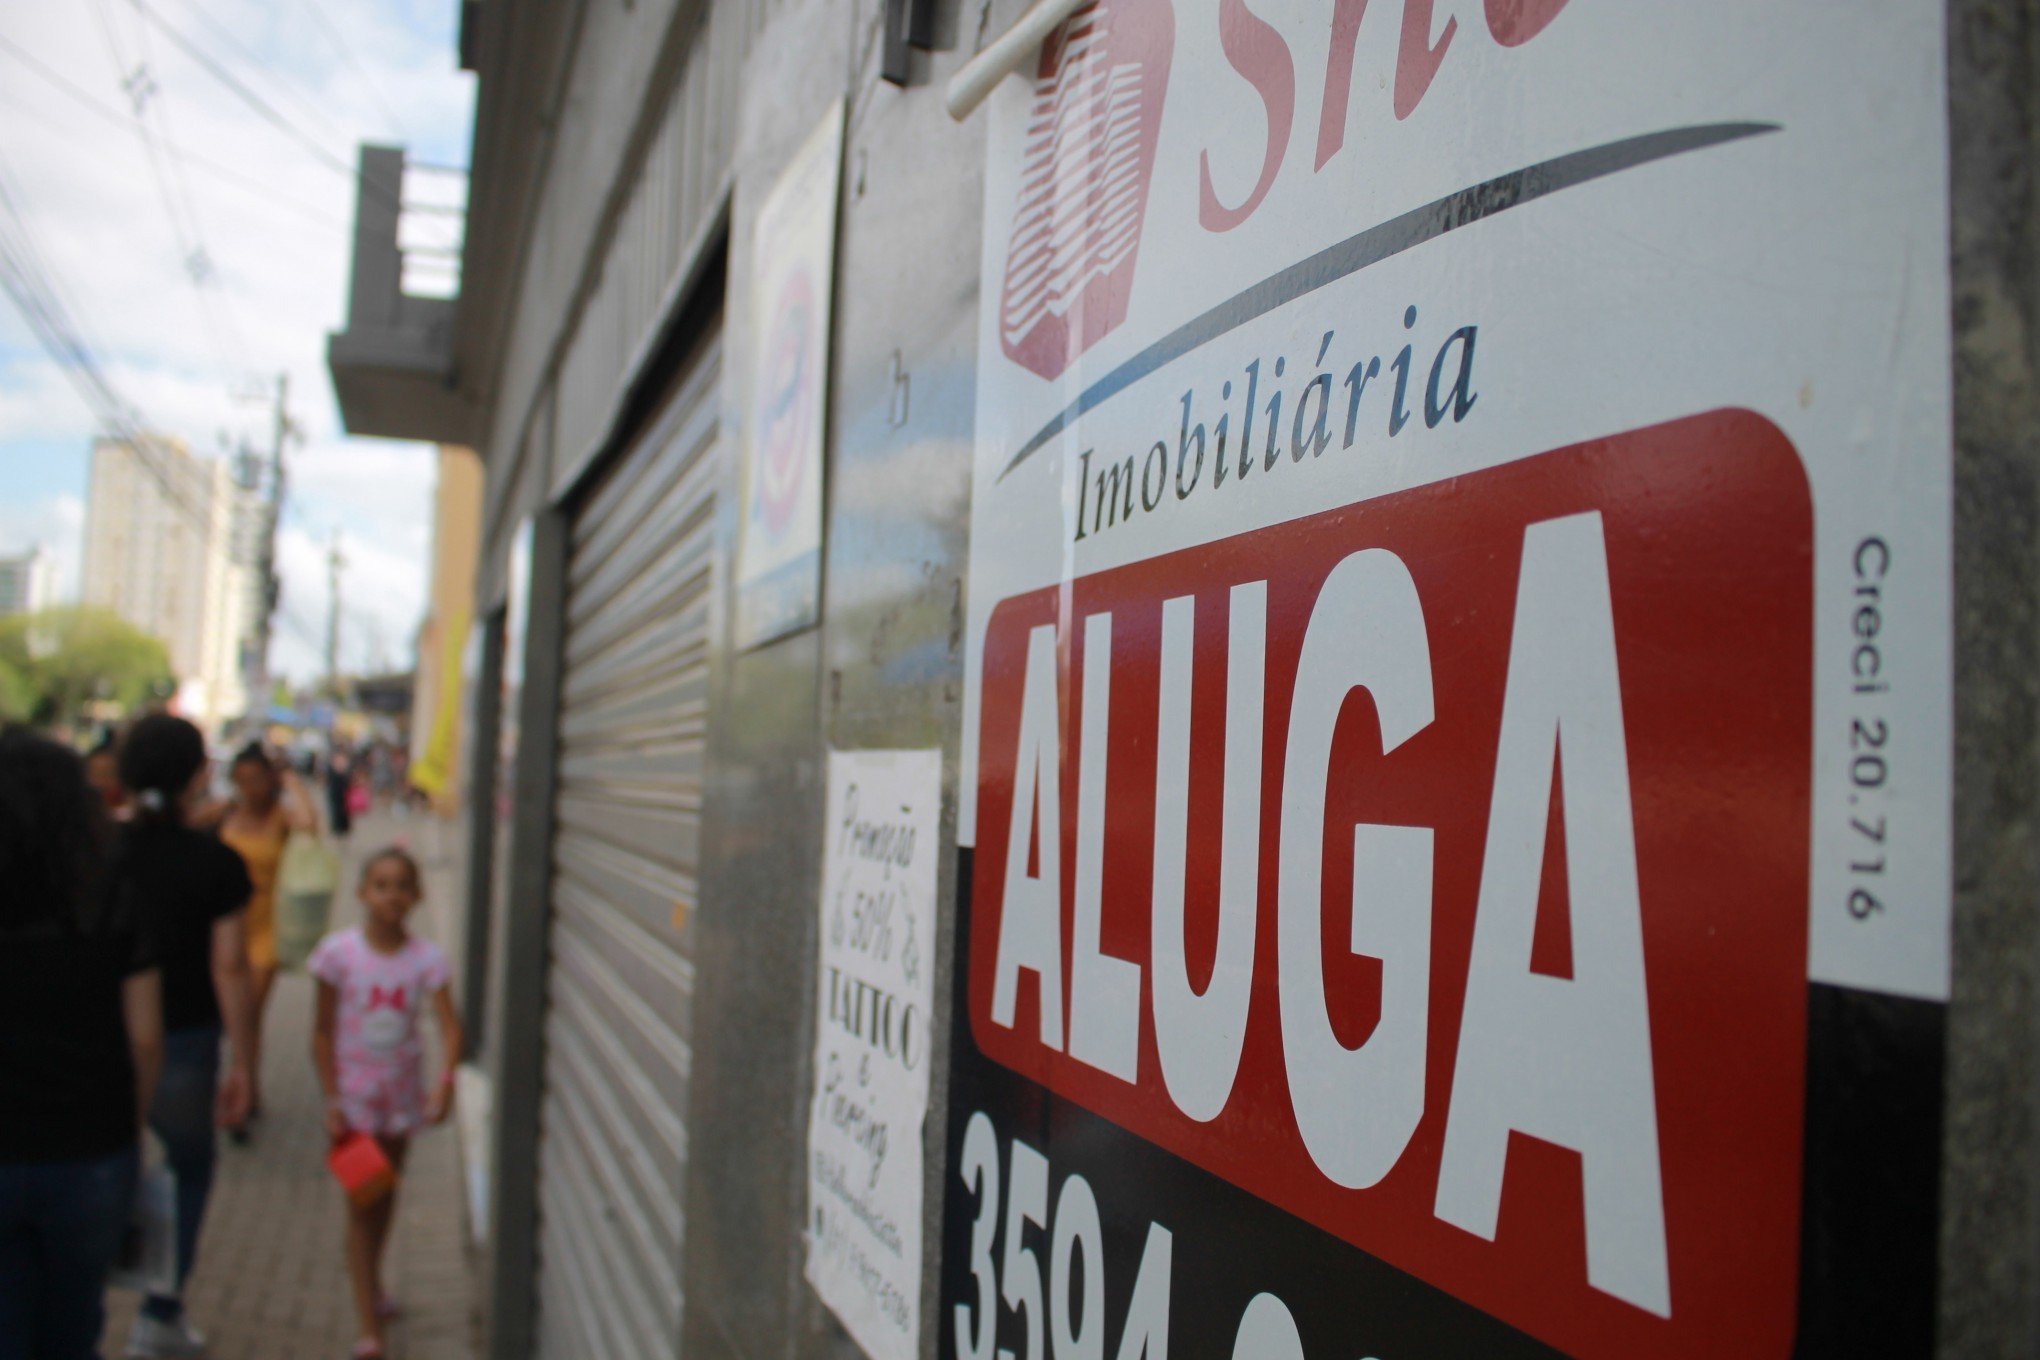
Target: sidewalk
[{"x": 271, "y": 1281}]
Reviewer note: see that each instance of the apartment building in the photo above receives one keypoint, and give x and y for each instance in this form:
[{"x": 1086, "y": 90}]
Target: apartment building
[
  {"x": 28, "y": 582},
  {"x": 167, "y": 547}
]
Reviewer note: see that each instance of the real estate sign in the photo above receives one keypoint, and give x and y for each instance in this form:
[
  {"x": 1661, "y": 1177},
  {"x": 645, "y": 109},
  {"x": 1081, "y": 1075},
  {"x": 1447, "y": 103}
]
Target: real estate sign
[{"x": 1456, "y": 795}]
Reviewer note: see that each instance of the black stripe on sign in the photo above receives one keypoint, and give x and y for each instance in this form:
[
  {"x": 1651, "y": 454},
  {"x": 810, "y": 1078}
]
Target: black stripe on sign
[{"x": 1870, "y": 1223}]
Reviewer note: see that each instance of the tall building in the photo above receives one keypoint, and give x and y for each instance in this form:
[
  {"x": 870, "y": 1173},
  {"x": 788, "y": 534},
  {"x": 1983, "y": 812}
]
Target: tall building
[
  {"x": 28, "y": 582},
  {"x": 166, "y": 548}
]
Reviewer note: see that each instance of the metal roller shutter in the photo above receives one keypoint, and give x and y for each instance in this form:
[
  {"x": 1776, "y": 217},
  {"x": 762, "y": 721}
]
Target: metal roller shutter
[{"x": 620, "y": 980}]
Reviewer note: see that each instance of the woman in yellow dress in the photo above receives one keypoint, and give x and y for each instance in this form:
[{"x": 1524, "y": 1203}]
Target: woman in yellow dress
[{"x": 269, "y": 806}]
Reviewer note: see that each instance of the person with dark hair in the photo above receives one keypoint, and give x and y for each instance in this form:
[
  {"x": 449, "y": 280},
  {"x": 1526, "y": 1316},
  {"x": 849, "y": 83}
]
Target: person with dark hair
[
  {"x": 339, "y": 782},
  {"x": 81, "y": 1043},
  {"x": 102, "y": 772},
  {"x": 194, "y": 891},
  {"x": 269, "y": 807}
]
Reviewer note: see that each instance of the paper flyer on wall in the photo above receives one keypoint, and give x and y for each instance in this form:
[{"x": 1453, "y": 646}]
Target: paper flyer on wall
[{"x": 877, "y": 955}]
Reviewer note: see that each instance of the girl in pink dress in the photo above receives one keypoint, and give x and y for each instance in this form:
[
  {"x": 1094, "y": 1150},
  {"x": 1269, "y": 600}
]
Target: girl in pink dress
[{"x": 376, "y": 982}]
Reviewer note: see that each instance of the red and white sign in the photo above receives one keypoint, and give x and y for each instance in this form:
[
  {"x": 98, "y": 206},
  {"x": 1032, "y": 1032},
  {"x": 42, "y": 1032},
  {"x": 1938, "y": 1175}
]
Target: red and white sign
[
  {"x": 1090, "y": 154},
  {"x": 1458, "y": 629},
  {"x": 1336, "y": 856}
]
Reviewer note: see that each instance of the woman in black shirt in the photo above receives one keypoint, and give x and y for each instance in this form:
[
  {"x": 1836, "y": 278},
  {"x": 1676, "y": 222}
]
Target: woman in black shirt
[
  {"x": 193, "y": 892},
  {"x": 81, "y": 1040}
]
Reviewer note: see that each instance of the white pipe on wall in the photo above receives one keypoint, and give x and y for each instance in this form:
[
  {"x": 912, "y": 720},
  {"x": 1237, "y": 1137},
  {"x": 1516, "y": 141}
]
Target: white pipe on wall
[{"x": 969, "y": 86}]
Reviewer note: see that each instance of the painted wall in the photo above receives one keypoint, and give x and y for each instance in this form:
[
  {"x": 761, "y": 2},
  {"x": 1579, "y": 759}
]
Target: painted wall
[{"x": 438, "y": 693}]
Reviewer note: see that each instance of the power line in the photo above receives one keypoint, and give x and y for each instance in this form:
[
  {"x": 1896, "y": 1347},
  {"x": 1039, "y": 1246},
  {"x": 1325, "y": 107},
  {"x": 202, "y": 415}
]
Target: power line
[
  {"x": 34, "y": 268},
  {"x": 336, "y": 563},
  {"x": 262, "y": 107},
  {"x": 37, "y": 292},
  {"x": 340, "y": 45},
  {"x": 304, "y": 212},
  {"x": 144, "y": 95},
  {"x": 255, "y": 60},
  {"x": 25, "y": 277},
  {"x": 203, "y": 268},
  {"x": 282, "y": 430},
  {"x": 108, "y": 113}
]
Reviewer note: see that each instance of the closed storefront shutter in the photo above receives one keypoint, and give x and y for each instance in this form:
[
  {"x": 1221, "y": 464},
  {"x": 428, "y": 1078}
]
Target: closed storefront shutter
[{"x": 613, "y": 1121}]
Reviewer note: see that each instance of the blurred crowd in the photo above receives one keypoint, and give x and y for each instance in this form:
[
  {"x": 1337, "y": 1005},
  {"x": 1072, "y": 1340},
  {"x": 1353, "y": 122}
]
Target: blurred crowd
[{"x": 153, "y": 895}]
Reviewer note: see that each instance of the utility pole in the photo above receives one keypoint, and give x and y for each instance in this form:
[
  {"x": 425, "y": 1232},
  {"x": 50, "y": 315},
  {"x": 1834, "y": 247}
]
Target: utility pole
[
  {"x": 282, "y": 430},
  {"x": 335, "y": 564}
]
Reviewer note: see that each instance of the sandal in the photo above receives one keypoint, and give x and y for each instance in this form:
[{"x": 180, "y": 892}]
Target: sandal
[{"x": 366, "y": 1349}]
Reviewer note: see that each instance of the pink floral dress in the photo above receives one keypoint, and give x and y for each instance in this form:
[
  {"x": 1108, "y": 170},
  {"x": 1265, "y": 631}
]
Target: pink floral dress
[{"x": 379, "y": 1058}]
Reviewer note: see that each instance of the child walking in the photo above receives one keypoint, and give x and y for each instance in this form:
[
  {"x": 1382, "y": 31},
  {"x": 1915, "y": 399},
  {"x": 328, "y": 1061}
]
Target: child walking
[{"x": 376, "y": 982}]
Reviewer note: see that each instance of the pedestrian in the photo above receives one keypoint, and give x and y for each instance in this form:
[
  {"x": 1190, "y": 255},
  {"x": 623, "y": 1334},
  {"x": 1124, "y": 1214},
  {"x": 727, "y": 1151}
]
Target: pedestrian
[
  {"x": 376, "y": 981},
  {"x": 102, "y": 772},
  {"x": 81, "y": 1044},
  {"x": 269, "y": 806},
  {"x": 339, "y": 770},
  {"x": 194, "y": 892}
]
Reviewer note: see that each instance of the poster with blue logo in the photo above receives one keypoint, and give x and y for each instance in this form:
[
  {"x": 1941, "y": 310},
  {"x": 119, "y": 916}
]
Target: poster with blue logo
[{"x": 779, "y": 556}]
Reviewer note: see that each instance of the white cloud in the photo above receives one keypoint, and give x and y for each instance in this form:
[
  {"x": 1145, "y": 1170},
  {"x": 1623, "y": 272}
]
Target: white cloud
[
  {"x": 382, "y": 597},
  {"x": 365, "y": 477},
  {"x": 279, "y": 255}
]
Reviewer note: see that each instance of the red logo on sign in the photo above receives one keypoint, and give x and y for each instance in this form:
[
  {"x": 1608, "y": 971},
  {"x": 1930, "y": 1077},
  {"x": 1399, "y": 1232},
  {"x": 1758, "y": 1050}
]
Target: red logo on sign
[
  {"x": 1090, "y": 152},
  {"x": 1436, "y": 869}
]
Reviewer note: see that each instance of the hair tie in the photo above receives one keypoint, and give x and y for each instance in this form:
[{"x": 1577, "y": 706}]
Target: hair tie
[{"x": 150, "y": 800}]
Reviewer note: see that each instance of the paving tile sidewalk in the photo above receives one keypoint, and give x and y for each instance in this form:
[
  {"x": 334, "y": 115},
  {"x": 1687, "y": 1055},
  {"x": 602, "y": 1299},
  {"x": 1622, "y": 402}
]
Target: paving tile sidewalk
[{"x": 271, "y": 1282}]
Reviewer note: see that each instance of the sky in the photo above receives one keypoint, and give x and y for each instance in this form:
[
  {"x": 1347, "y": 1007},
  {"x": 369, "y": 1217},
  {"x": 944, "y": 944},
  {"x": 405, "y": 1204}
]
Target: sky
[{"x": 262, "y": 187}]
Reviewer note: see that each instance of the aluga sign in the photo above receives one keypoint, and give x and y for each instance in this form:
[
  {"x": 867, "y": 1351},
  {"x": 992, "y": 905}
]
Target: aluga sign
[{"x": 1455, "y": 794}]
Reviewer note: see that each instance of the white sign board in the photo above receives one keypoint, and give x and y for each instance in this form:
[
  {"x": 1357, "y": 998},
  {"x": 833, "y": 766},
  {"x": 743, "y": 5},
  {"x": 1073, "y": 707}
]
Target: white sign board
[
  {"x": 793, "y": 259},
  {"x": 871, "y": 1044},
  {"x": 1582, "y": 220}
]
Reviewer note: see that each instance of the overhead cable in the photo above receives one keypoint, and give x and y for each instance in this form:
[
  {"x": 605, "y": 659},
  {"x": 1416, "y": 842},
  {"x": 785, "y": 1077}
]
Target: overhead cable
[
  {"x": 85, "y": 99},
  {"x": 250, "y": 57},
  {"x": 26, "y": 278},
  {"x": 180, "y": 211},
  {"x": 340, "y": 44},
  {"x": 262, "y": 107}
]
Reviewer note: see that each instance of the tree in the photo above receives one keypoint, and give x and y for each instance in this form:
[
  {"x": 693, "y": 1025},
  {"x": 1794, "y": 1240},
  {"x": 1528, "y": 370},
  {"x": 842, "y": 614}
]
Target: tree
[
  {"x": 68, "y": 658},
  {"x": 17, "y": 694}
]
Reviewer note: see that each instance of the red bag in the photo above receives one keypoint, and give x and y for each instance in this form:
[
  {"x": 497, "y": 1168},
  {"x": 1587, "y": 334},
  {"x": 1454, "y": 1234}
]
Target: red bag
[
  {"x": 358, "y": 1163},
  {"x": 358, "y": 799}
]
